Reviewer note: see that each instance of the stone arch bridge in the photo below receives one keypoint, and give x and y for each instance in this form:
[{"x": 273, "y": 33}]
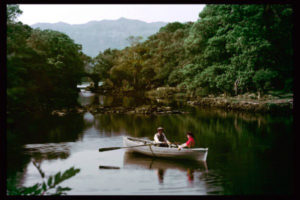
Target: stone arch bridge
[{"x": 95, "y": 78}]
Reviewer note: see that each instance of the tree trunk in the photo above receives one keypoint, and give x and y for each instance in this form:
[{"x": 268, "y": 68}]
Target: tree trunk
[{"x": 259, "y": 93}]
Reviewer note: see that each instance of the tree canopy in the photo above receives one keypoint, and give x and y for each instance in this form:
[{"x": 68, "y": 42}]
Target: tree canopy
[
  {"x": 43, "y": 67},
  {"x": 229, "y": 49}
]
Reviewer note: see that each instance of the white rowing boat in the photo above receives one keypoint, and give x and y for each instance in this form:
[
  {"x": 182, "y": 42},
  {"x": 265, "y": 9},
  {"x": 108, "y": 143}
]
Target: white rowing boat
[{"x": 151, "y": 150}]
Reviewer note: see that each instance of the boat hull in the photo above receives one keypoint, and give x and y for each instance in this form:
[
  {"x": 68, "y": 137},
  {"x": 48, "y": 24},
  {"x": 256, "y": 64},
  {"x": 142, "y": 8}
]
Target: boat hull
[{"x": 164, "y": 152}]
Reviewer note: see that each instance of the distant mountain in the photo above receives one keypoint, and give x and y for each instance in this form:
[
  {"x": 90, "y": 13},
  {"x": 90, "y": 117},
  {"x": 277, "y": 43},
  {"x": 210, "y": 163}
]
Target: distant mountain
[{"x": 96, "y": 36}]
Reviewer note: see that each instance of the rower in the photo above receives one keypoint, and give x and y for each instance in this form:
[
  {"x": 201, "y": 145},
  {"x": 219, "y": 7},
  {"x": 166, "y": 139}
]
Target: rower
[
  {"x": 161, "y": 139},
  {"x": 190, "y": 143}
]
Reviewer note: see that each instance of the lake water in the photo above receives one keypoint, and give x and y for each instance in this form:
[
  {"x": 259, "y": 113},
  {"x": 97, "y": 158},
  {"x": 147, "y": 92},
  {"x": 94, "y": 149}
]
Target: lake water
[{"x": 248, "y": 153}]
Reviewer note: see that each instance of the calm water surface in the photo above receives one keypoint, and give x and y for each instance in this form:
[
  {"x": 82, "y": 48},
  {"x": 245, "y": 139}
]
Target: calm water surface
[{"x": 248, "y": 153}]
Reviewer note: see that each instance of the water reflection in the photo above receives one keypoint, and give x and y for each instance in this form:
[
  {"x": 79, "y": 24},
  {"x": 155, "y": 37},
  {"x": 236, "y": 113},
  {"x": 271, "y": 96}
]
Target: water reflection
[
  {"x": 44, "y": 128},
  {"x": 243, "y": 157},
  {"x": 160, "y": 174},
  {"x": 41, "y": 137},
  {"x": 88, "y": 98},
  {"x": 88, "y": 117},
  {"x": 190, "y": 175},
  {"x": 50, "y": 151},
  {"x": 161, "y": 165}
]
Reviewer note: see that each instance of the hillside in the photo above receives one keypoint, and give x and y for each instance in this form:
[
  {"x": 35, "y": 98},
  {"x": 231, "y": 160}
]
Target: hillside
[{"x": 97, "y": 36}]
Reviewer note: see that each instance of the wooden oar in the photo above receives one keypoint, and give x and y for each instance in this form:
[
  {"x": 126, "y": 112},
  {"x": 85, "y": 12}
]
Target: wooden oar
[{"x": 115, "y": 148}]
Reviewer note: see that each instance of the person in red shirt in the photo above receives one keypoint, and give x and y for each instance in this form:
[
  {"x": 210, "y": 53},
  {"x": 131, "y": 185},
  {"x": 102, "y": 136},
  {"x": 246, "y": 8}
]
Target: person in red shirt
[{"x": 190, "y": 143}]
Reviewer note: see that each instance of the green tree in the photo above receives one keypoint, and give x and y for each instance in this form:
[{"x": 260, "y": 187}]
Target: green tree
[
  {"x": 103, "y": 62},
  {"x": 61, "y": 69},
  {"x": 220, "y": 53},
  {"x": 47, "y": 187},
  {"x": 43, "y": 68},
  {"x": 12, "y": 12},
  {"x": 134, "y": 40},
  {"x": 243, "y": 39},
  {"x": 263, "y": 80}
]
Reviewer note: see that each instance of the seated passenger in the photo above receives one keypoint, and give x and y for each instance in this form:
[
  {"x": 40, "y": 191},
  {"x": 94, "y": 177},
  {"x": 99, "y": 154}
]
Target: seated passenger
[{"x": 190, "y": 143}]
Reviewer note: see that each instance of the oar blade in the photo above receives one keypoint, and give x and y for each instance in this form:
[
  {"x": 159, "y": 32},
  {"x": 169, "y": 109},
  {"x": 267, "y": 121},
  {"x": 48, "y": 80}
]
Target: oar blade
[
  {"x": 108, "y": 167},
  {"x": 109, "y": 149}
]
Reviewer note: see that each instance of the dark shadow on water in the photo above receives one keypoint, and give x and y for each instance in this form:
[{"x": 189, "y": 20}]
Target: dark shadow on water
[{"x": 41, "y": 137}]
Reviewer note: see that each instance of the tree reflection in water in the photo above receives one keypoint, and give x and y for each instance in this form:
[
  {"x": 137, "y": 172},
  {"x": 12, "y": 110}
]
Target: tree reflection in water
[
  {"x": 40, "y": 136},
  {"x": 243, "y": 148}
]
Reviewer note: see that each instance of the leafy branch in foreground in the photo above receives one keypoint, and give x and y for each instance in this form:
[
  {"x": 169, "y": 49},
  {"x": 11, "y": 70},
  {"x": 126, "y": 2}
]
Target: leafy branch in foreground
[{"x": 43, "y": 188}]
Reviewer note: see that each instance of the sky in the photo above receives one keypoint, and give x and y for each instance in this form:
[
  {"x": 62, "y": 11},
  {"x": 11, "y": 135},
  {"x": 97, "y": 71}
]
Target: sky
[{"x": 80, "y": 14}]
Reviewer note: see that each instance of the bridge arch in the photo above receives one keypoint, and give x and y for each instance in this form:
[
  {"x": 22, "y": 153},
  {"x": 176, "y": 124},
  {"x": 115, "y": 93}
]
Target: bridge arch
[{"x": 95, "y": 78}]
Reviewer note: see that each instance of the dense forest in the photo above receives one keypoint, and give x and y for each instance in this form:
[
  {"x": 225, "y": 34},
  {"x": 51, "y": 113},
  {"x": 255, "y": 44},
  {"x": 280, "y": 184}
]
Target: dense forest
[
  {"x": 230, "y": 52},
  {"x": 230, "y": 49},
  {"x": 43, "y": 68}
]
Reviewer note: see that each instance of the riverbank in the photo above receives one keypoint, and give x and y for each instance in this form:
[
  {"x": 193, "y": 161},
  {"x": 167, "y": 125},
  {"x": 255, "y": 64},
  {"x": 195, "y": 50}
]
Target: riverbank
[
  {"x": 284, "y": 105},
  {"x": 160, "y": 103},
  {"x": 100, "y": 109},
  {"x": 249, "y": 102}
]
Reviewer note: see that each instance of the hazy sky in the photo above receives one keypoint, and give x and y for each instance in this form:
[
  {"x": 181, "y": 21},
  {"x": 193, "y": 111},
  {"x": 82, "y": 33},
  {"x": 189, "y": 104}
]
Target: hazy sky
[{"x": 78, "y": 14}]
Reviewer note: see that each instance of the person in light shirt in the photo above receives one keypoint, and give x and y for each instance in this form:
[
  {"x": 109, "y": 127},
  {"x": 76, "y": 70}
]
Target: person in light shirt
[
  {"x": 161, "y": 139},
  {"x": 190, "y": 143}
]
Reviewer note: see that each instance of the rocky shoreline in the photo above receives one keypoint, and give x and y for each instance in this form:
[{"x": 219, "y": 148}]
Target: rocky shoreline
[
  {"x": 99, "y": 109},
  {"x": 275, "y": 106},
  {"x": 261, "y": 106},
  {"x": 244, "y": 103}
]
